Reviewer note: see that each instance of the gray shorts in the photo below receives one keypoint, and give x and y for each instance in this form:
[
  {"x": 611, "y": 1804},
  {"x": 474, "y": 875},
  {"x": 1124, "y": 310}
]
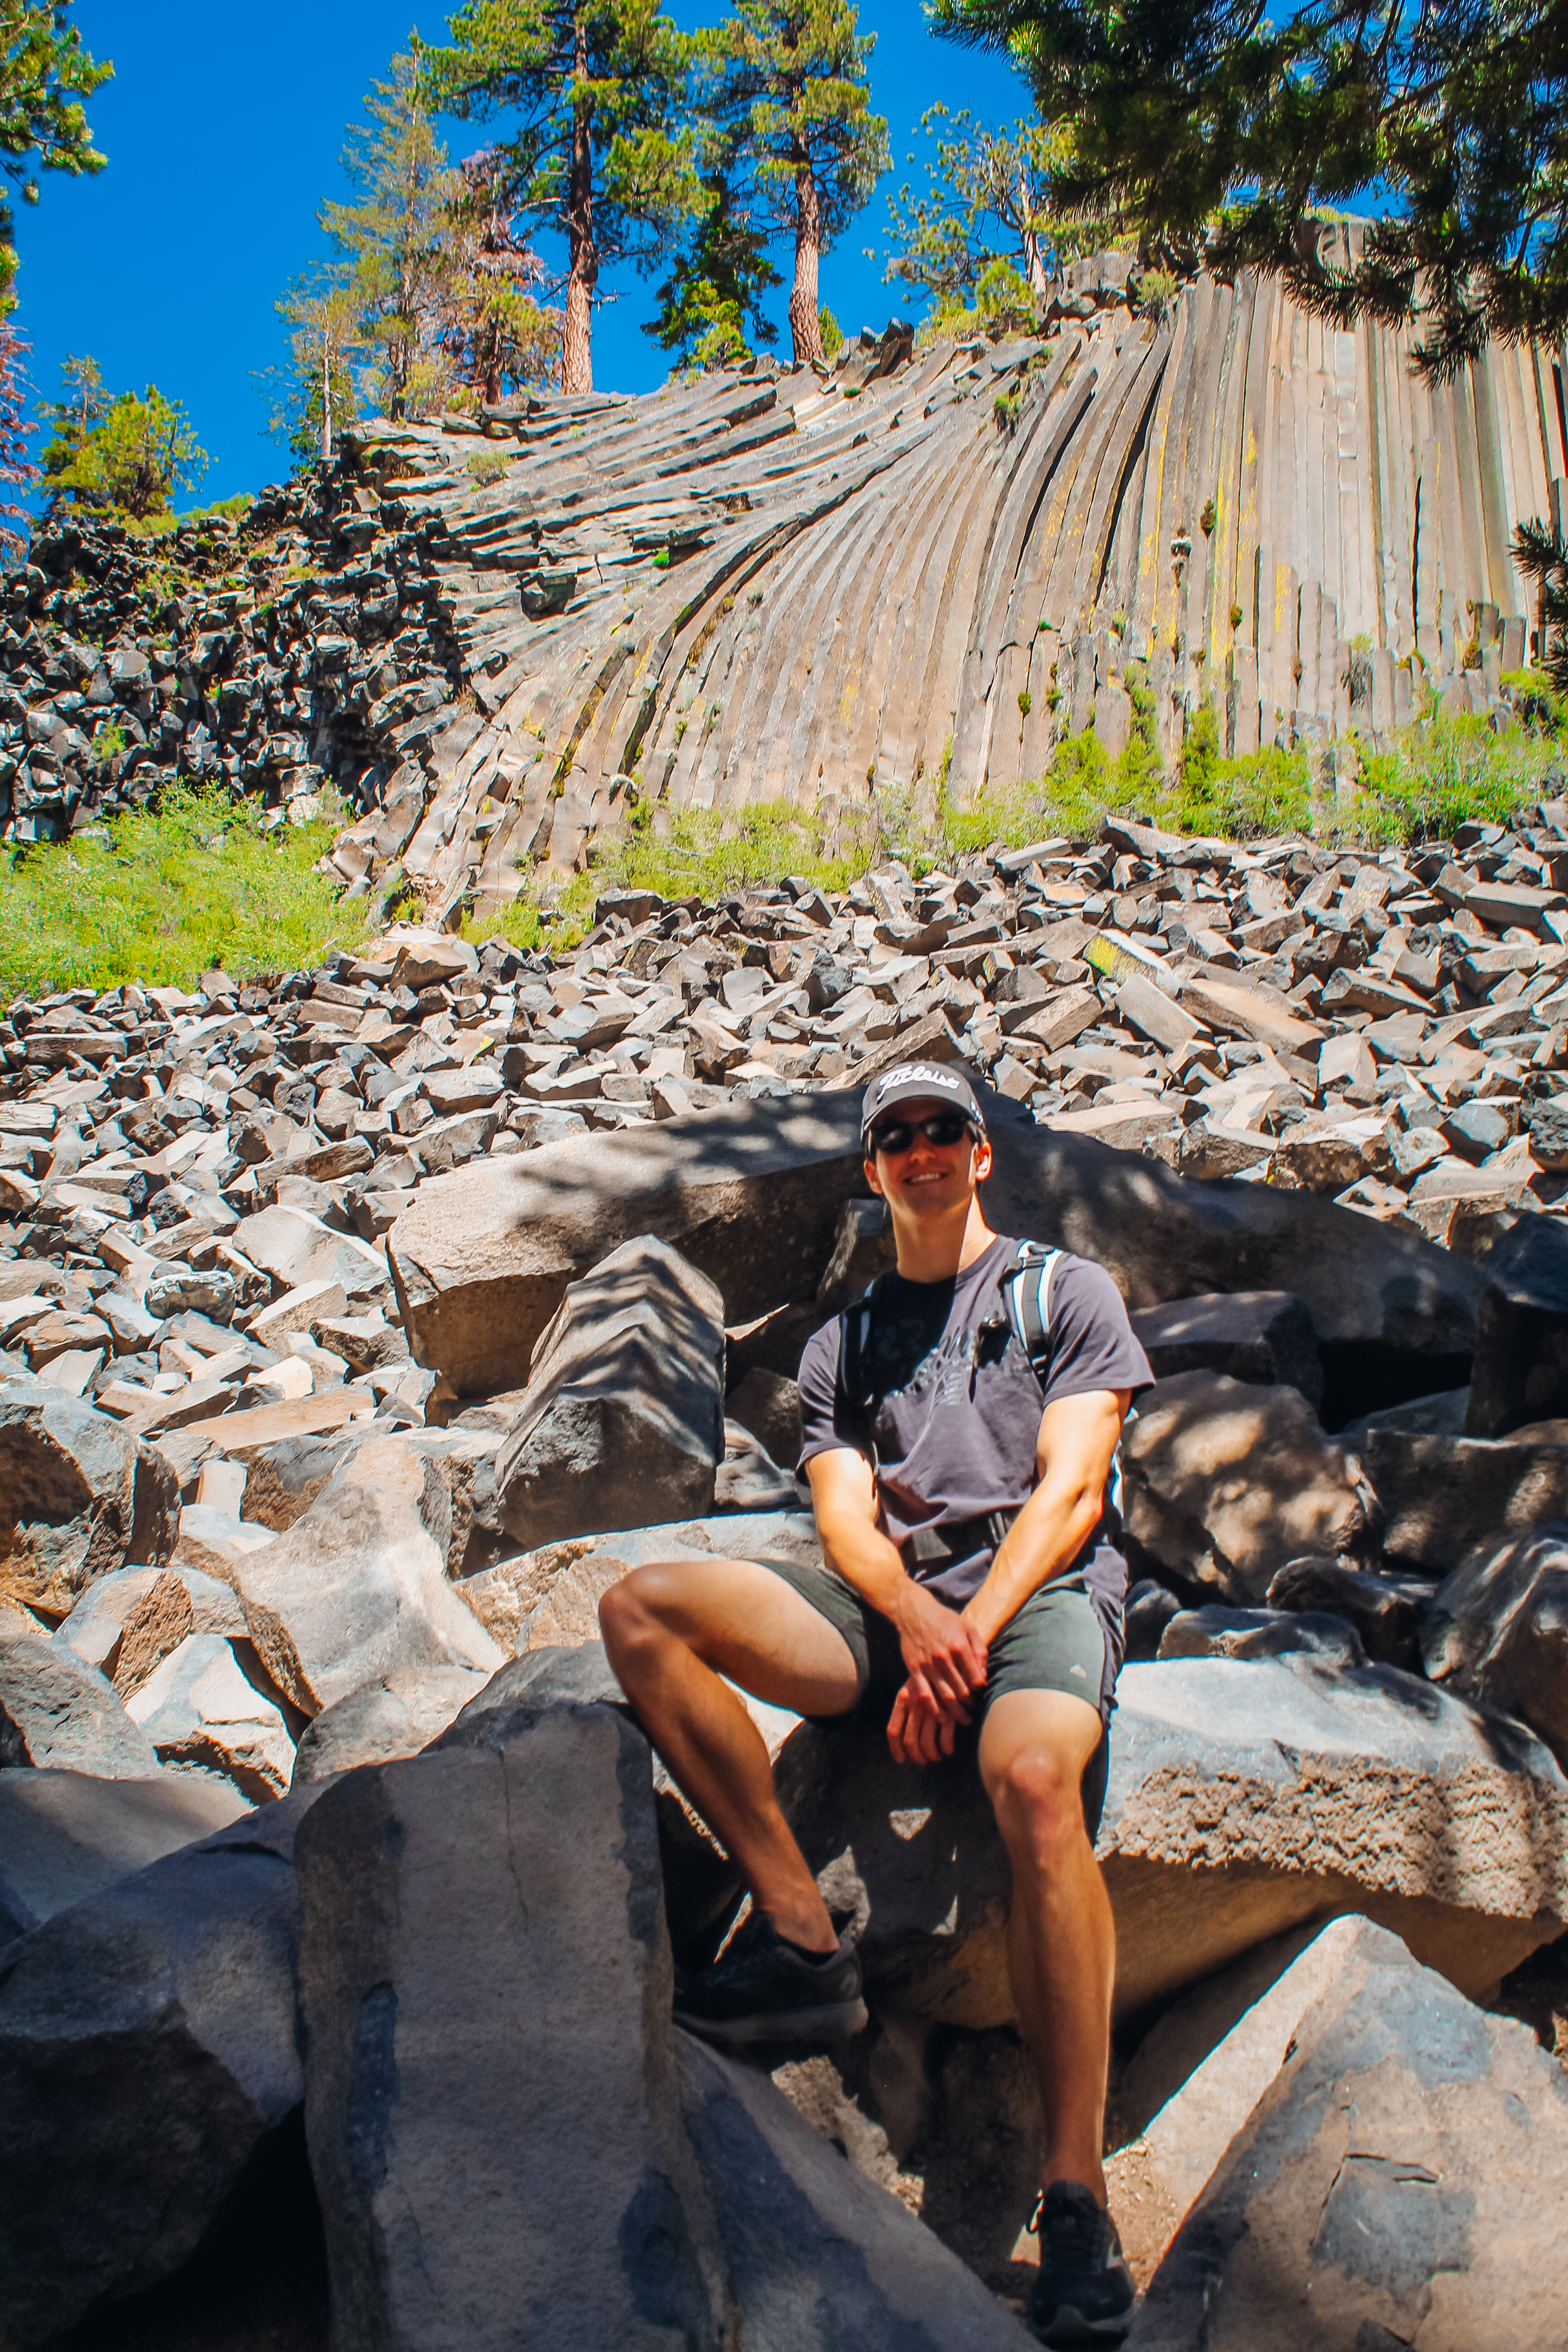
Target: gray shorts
[{"x": 1058, "y": 1641}]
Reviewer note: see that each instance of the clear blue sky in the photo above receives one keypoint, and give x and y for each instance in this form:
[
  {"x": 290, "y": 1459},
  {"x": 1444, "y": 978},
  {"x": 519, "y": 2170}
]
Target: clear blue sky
[{"x": 223, "y": 134}]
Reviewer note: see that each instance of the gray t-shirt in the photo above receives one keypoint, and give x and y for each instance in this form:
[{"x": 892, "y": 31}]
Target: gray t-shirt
[{"x": 956, "y": 1415}]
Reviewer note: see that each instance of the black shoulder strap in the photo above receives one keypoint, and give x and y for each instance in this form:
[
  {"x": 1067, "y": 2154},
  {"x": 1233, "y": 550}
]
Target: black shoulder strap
[
  {"x": 854, "y": 1394},
  {"x": 1025, "y": 1285}
]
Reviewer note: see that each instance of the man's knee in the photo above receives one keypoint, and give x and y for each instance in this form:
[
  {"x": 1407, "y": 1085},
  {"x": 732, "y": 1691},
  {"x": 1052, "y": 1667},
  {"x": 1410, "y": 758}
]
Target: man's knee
[
  {"x": 629, "y": 1616},
  {"x": 1037, "y": 1794}
]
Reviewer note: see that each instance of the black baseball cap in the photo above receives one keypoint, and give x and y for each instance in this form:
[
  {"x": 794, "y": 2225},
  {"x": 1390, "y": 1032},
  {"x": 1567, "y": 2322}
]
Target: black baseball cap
[{"x": 909, "y": 1082}]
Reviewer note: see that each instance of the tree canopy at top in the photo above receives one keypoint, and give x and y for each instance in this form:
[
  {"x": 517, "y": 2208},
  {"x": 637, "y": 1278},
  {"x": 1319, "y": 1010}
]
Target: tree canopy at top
[
  {"x": 1454, "y": 112},
  {"x": 45, "y": 74},
  {"x": 592, "y": 93}
]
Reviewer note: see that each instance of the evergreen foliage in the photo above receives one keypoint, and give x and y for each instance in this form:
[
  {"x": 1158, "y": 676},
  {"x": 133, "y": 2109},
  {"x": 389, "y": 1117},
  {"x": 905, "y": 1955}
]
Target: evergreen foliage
[
  {"x": 990, "y": 200},
  {"x": 1541, "y": 554},
  {"x": 594, "y": 91},
  {"x": 1214, "y": 122},
  {"x": 786, "y": 84},
  {"x": 118, "y": 454},
  {"x": 711, "y": 305},
  {"x": 45, "y": 74}
]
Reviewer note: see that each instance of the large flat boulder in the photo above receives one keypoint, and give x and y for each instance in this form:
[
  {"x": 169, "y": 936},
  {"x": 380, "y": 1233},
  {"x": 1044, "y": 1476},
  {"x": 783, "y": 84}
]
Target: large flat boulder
[
  {"x": 1444, "y": 1497},
  {"x": 79, "y": 1496},
  {"x": 1164, "y": 1237},
  {"x": 67, "y": 1835},
  {"x": 1520, "y": 1371},
  {"x": 623, "y": 1418},
  {"x": 1244, "y": 1797},
  {"x": 358, "y": 1586},
  {"x": 491, "y": 2105},
  {"x": 1257, "y": 1336},
  {"x": 396, "y": 1715},
  {"x": 1226, "y": 1481},
  {"x": 750, "y": 1194},
  {"x": 1400, "y": 2182},
  {"x": 149, "y": 2049}
]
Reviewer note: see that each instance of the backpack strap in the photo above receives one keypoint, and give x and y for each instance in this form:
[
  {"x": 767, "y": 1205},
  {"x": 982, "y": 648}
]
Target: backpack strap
[
  {"x": 853, "y": 1393},
  {"x": 1027, "y": 1287}
]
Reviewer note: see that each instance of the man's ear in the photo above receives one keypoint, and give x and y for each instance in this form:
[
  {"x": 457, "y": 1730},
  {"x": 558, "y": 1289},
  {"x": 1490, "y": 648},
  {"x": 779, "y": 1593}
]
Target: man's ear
[
  {"x": 983, "y": 1155},
  {"x": 872, "y": 1179}
]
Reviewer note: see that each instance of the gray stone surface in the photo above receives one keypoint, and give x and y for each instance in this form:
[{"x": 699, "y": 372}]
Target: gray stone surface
[
  {"x": 1385, "y": 1610},
  {"x": 206, "y": 1708},
  {"x": 1257, "y": 1336},
  {"x": 1226, "y": 1482},
  {"x": 1401, "y": 2181},
  {"x": 1442, "y": 1497},
  {"x": 1261, "y": 1633},
  {"x": 1520, "y": 1372},
  {"x": 396, "y": 1715},
  {"x": 1244, "y": 1797},
  {"x": 622, "y": 1420},
  {"x": 65, "y": 1835},
  {"x": 57, "y": 1713},
  {"x": 358, "y": 1586},
  {"x": 490, "y": 1918},
  {"x": 81, "y": 1496},
  {"x": 1497, "y": 1628},
  {"x": 817, "y": 2255},
  {"x": 149, "y": 2048}
]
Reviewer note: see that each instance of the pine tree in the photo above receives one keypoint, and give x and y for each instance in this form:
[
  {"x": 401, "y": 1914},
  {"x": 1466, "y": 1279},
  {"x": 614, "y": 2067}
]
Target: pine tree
[
  {"x": 495, "y": 335},
  {"x": 712, "y": 299},
  {"x": 1225, "y": 132},
  {"x": 123, "y": 455},
  {"x": 1541, "y": 554},
  {"x": 596, "y": 87},
  {"x": 393, "y": 243},
  {"x": 990, "y": 202},
  {"x": 316, "y": 398},
  {"x": 786, "y": 83},
  {"x": 45, "y": 74}
]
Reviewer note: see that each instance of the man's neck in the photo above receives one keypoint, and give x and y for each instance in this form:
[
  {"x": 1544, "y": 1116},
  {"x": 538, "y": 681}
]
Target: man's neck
[{"x": 936, "y": 1250}]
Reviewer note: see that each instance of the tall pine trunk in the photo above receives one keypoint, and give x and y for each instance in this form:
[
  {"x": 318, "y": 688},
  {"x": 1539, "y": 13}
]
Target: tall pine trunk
[
  {"x": 804, "y": 323},
  {"x": 577, "y": 336}
]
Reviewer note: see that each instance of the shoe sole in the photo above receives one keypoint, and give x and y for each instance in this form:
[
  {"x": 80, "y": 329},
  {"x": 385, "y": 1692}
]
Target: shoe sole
[
  {"x": 829, "y": 2022},
  {"x": 1068, "y": 2330}
]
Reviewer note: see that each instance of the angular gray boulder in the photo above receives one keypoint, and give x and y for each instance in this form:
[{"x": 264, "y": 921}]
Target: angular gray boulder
[
  {"x": 61, "y": 1713},
  {"x": 149, "y": 2048},
  {"x": 750, "y": 1194},
  {"x": 67, "y": 1835},
  {"x": 1261, "y": 1337},
  {"x": 1446, "y": 1497},
  {"x": 818, "y": 2257},
  {"x": 396, "y": 1715},
  {"x": 79, "y": 1496},
  {"x": 1226, "y": 1482},
  {"x": 358, "y": 1585},
  {"x": 491, "y": 2105},
  {"x": 1244, "y": 1798},
  {"x": 1498, "y": 1629},
  {"x": 1400, "y": 2182},
  {"x": 622, "y": 1423},
  {"x": 1520, "y": 1369}
]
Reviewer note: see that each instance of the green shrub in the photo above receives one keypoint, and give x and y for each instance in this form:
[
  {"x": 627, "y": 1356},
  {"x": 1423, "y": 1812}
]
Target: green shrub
[{"x": 161, "y": 897}]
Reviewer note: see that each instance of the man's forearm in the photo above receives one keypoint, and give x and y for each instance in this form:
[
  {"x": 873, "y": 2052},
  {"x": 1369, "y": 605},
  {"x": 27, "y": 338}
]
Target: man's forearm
[
  {"x": 1044, "y": 1539},
  {"x": 864, "y": 1558}
]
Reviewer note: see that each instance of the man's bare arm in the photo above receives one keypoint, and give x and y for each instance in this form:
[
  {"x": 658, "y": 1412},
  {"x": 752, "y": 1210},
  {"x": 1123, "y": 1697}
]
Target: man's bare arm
[
  {"x": 1077, "y": 1439},
  {"x": 945, "y": 1656}
]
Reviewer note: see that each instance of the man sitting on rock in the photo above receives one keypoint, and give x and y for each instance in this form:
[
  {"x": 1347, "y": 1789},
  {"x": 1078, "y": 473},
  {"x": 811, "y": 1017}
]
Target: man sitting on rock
[{"x": 959, "y": 1481}]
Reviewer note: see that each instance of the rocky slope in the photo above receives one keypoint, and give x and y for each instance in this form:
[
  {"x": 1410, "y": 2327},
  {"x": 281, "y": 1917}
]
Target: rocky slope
[
  {"x": 360, "y": 1329},
  {"x": 497, "y": 633}
]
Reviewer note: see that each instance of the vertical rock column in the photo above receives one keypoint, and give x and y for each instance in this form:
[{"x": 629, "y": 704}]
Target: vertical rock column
[{"x": 490, "y": 2106}]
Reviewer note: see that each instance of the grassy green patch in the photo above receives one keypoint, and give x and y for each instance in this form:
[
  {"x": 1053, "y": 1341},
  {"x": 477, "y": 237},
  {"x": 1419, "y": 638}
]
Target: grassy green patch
[
  {"x": 161, "y": 897},
  {"x": 159, "y": 526}
]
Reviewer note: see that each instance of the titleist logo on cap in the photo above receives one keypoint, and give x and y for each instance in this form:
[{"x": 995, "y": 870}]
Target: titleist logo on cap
[{"x": 927, "y": 1073}]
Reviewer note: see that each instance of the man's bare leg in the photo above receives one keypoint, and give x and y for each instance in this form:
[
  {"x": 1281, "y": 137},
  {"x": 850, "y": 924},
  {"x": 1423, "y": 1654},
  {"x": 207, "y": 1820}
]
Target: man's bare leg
[
  {"x": 672, "y": 1631},
  {"x": 1061, "y": 1944}
]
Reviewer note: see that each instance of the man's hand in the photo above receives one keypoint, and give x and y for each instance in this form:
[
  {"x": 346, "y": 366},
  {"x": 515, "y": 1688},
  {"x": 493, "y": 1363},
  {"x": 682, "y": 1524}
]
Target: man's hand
[{"x": 946, "y": 1659}]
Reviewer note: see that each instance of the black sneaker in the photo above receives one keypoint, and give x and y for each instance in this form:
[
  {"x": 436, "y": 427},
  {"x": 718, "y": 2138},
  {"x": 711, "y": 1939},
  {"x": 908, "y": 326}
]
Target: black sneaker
[
  {"x": 1085, "y": 2294},
  {"x": 763, "y": 1990}
]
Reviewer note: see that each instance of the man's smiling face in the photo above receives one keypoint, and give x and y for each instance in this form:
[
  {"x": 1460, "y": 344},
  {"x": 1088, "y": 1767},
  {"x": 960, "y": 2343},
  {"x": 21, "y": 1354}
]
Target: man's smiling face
[{"x": 929, "y": 1179}]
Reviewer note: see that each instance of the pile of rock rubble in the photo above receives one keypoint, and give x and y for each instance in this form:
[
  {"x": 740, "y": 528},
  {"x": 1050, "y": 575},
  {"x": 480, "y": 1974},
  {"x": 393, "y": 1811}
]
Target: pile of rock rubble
[{"x": 360, "y": 1327}]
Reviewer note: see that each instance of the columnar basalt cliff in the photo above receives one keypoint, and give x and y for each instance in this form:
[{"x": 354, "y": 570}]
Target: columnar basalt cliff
[{"x": 498, "y": 631}]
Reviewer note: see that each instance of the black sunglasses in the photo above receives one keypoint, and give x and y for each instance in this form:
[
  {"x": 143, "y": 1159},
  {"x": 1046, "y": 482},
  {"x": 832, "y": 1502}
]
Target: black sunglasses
[{"x": 895, "y": 1139}]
